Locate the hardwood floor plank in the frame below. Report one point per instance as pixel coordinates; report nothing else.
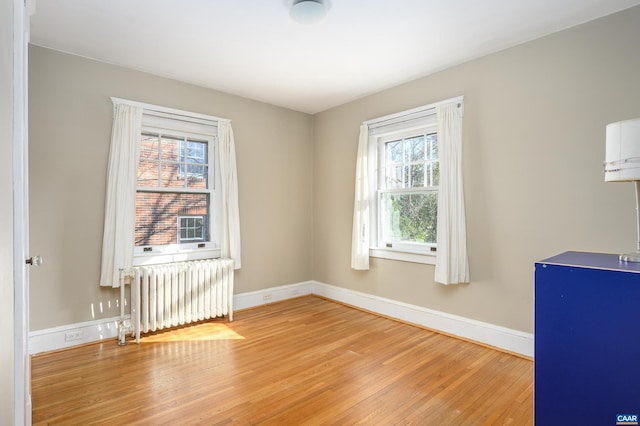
(301, 361)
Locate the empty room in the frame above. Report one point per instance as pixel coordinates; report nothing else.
(320, 212)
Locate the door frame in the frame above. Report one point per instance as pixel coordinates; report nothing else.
(22, 367)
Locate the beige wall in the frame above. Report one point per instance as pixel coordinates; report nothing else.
(70, 126)
(534, 145)
(6, 215)
(534, 126)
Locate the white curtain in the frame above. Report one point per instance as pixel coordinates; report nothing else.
(119, 220)
(452, 264)
(360, 234)
(230, 241)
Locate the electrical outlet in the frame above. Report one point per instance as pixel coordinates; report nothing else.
(72, 335)
(266, 297)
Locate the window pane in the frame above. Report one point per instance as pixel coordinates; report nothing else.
(394, 152)
(148, 163)
(196, 152)
(171, 149)
(414, 149)
(394, 177)
(148, 173)
(171, 176)
(157, 216)
(432, 141)
(409, 217)
(406, 181)
(434, 173)
(197, 176)
(149, 147)
(417, 175)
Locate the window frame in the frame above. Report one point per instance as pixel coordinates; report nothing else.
(403, 251)
(197, 130)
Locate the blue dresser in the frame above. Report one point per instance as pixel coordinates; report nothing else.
(587, 340)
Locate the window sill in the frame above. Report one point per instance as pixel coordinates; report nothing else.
(150, 258)
(404, 256)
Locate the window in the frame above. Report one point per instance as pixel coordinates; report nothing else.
(164, 165)
(192, 228)
(408, 190)
(176, 207)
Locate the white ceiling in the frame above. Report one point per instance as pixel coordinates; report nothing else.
(251, 48)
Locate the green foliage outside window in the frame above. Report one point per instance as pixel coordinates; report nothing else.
(412, 217)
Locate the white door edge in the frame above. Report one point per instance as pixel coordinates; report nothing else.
(22, 368)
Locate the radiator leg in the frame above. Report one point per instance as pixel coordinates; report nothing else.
(135, 309)
(122, 338)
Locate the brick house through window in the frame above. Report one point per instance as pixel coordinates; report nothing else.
(173, 198)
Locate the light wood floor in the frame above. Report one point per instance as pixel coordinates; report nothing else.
(302, 361)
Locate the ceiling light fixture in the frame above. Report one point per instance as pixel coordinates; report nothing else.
(308, 11)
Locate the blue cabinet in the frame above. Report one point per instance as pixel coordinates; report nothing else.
(587, 340)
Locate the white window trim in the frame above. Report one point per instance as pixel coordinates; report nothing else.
(396, 124)
(173, 113)
(173, 254)
(196, 126)
(405, 256)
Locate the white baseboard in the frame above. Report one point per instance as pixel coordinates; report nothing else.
(482, 332)
(65, 336)
(270, 295)
(478, 331)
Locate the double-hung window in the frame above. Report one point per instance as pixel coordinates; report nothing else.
(177, 196)
(408, 190)
(172, 189)
(409, 196)
(405, 194)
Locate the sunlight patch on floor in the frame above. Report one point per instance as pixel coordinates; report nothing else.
(204, 331)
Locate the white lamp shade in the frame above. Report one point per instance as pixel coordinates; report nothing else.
(622, 157)
(308, 11)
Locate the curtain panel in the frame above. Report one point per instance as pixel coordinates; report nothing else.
(360, 234)
(120, 202)
(230, 241)
(452, 263)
